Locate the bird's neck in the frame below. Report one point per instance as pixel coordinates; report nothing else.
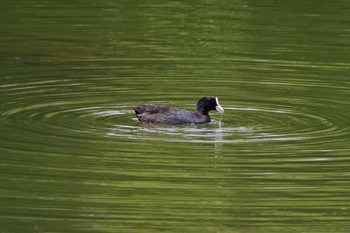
(200, 110)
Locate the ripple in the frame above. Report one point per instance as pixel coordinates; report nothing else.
(225, 131)
(293, 123)
(239, 124)
(191, 133)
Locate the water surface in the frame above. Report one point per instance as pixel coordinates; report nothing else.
(74, 158)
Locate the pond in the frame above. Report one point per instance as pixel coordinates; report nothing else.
(74, 158)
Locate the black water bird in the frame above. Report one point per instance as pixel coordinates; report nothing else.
(166, 115)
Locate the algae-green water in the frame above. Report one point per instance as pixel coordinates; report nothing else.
(73, 157)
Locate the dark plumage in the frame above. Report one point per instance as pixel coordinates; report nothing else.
(167, 115)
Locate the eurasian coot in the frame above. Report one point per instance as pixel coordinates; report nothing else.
(167, 115)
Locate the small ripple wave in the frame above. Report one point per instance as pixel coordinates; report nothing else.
(72, 120)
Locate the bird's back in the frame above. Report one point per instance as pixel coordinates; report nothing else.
(162, 114)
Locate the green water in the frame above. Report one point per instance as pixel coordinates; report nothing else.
(73, 158)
